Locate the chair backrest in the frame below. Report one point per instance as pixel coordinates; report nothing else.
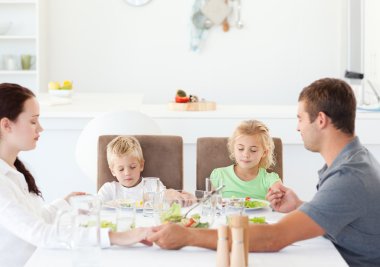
(163, 157)
(212, 153)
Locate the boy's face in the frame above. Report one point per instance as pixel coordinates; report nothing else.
(127, 170)
(248, 151)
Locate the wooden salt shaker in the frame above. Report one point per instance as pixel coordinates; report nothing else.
(241, 221)
(223, 252)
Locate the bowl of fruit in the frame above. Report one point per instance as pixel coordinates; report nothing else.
(61, 90)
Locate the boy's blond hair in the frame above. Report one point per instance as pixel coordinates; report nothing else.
(254, 127)
(124, 146)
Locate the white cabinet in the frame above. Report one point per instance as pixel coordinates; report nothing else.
(19, 43)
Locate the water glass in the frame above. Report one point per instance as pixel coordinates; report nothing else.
(85, 238)
(126, 219)
(170, 210)
(151, 193)
(234, 206)
(208, 207)
(108, 217)
(218, 196)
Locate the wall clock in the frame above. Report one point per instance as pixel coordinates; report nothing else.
(137, 2)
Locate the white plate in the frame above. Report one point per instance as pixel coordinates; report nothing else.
(264, 202)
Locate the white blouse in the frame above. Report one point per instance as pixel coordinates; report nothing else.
(25, 222)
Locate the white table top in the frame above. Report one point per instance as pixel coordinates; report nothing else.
(314, 252)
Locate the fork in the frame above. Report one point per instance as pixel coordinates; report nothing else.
(213, 192)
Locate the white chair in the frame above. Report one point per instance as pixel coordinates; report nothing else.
(126, 122)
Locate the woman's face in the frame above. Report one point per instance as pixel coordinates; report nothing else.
(23, 133)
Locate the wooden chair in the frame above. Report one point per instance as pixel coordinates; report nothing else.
(163, 157)
(212, 153)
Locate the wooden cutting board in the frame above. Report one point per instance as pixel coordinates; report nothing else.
(197, 106)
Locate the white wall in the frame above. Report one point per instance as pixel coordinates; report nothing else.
(111, 46)
(372, 43)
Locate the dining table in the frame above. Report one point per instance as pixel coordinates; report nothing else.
(318, 251)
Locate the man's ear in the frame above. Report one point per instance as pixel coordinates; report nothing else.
(323, 120)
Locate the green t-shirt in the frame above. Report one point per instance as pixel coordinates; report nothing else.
(235, 187)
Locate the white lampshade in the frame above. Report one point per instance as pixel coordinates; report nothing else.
(126, 122)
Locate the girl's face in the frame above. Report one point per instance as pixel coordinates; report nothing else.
(127, 170)
(248, 151)
(23, 133)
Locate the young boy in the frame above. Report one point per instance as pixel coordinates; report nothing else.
(126, 162)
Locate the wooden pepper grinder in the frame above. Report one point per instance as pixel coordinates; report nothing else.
(237, 249)
(242, 222)
(223, 252)
(226, 26)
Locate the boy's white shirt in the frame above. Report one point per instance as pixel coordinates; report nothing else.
(25, 221)
(114, 190)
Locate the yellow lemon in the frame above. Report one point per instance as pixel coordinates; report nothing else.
(67, 85)
(54, 85)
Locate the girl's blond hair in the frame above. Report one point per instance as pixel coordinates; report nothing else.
(254, 127)
(124, 146)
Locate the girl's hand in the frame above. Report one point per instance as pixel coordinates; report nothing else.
(74, 194)
(283, 199)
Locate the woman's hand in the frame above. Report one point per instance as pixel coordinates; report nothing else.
(74, 194)
(283, 199)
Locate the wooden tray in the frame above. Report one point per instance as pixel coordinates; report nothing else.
(197, 106)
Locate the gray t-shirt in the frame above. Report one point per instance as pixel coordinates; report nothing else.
(347, 205)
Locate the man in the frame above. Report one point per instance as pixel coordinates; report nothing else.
(346, 207)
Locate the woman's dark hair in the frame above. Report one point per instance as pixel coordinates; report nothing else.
(12, 99)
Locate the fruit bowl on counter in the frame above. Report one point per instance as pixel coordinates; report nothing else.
(64, 90)
(61, 92)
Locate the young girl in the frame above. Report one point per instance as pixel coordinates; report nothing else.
(126, 162)
(251, 149)
(25, 222)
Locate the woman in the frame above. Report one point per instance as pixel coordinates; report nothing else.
(25, 222)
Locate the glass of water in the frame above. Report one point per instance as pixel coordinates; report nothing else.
(127, 218)
(151, 192)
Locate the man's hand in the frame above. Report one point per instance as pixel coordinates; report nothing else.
(169, 236)
(283, 199)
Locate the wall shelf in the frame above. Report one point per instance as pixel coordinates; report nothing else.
(18, 37)
(18, 72)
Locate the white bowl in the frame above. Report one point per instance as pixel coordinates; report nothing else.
(4, 27)
(61, 92)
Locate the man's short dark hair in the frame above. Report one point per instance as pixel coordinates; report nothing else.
(333, 97)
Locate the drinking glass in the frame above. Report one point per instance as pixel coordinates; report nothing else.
(218, 196)
(108, 217)
(234, 206)
(151, 191)
(170, 210)
(208, 207)
(127, 218)
(85, 239)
